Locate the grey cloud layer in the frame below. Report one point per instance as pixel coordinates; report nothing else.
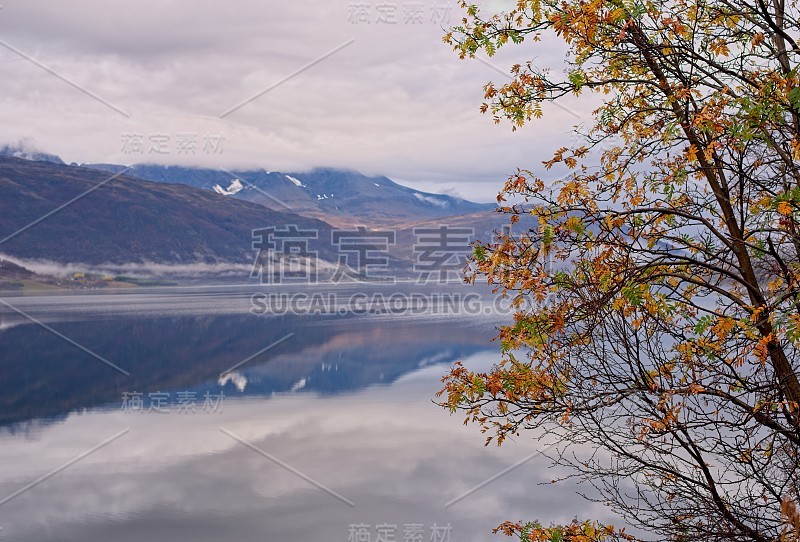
(395, 102)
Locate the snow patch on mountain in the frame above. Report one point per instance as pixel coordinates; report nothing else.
(234, 188)
(295, 181)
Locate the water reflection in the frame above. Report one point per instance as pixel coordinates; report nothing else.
(345, 403)
(42, 376)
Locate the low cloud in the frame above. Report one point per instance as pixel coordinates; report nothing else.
(143, 270)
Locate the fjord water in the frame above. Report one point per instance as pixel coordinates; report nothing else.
(328, 435)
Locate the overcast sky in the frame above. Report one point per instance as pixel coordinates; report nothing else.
(383, 97)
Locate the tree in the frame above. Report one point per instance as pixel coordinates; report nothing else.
(657, 296)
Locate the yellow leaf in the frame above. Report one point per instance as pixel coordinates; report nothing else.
(691, 154)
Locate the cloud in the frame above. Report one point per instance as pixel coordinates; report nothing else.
(431, 200)
(144, 269)
(398, 457)
(396, 101)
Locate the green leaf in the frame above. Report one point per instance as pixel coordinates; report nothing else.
(794, 98)
(634, 293)
(577, 79)
(548, 236)
(702, 324)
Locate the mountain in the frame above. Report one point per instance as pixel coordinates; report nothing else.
(125, 219)
(26, 151)
(188, 353)
(105, 217)
(340, 197)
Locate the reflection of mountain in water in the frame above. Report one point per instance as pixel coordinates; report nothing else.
(42, 375)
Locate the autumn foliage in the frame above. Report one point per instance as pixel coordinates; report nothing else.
(574, 532)
(658, 292)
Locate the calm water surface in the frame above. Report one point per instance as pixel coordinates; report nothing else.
(324, 437)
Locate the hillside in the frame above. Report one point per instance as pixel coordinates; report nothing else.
(339, 197)
(127, 219)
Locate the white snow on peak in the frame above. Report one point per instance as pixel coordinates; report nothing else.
(295, 181)
(235, 186)
(431, 200)
(376, 184)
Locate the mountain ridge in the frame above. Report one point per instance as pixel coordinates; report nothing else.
(120, 219)
(100, 220)
(338, 196)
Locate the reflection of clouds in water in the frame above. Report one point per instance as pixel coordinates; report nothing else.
(390, 450)
(436, 358)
